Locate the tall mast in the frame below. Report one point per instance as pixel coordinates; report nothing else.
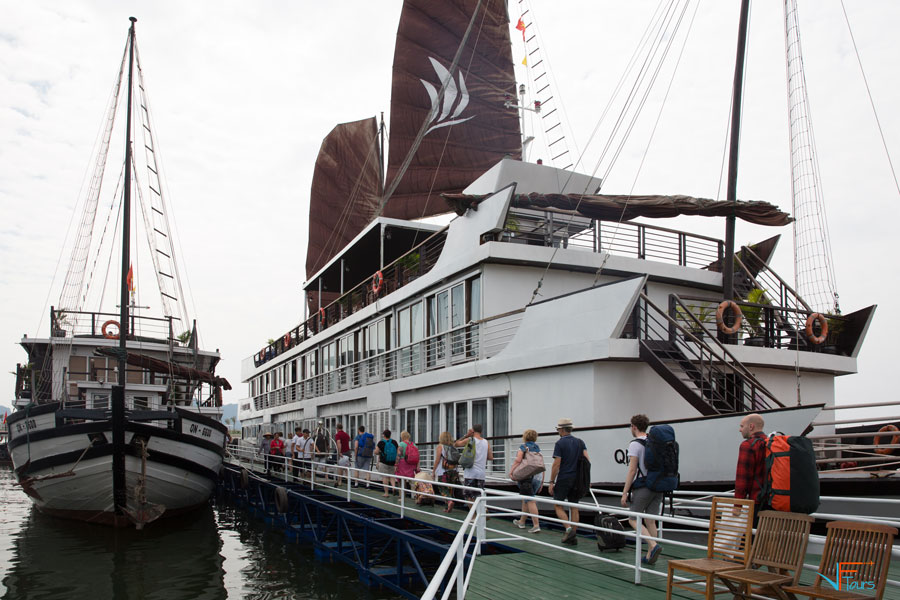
(731, 195)
(118, 397)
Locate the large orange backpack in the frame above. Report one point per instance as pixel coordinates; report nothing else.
(791, 479)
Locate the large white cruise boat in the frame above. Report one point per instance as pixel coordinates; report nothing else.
(541, 299)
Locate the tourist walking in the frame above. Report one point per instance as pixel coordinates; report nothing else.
(562, 487)
(642, 498)
(342, 441)
(751, 464)
(530, 486)
(446, 461)
(475, 454)
(407, 462)
(387, 461)
(276, 450)
(364, 445)
(265, 445)
(296, 451)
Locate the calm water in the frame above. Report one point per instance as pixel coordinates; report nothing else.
(212, 553)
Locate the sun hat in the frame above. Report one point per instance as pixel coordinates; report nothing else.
(564, 422)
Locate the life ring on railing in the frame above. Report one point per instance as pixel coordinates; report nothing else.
(720, 317)
(377, 282)
(810, 323)
(281, 500)
(322, 317)
(287, 341)
(895, 439)
(106, 332)
(245, 479)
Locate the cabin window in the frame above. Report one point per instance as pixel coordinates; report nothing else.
(438, 323)
(474, 299)
(410, 326)
(376, 346)
(346, 357)
(435, 422)
(457, 319)
(499, 427)
(100, 400)
(141, 402)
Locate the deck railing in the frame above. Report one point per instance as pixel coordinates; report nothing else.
(76, 323)
(406, 269)
(637, 240)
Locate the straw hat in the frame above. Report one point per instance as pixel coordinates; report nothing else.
(564, 423)
(267, 434)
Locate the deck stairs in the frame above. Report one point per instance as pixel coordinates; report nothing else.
(697, 365)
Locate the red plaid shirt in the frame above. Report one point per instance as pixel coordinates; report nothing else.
(750, 466)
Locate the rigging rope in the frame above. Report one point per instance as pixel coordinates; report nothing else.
(871, 101)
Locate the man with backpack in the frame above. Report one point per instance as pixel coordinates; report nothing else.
(644, 498)
(387, 461)
(564, 476)
(751, 465)
(364, 445)
(476, 451)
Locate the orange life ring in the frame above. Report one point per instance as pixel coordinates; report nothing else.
(322, 316)
(287, 341)
(720, 317)
(106, 332)
(894, 440)
(823, 323)
(377, 282)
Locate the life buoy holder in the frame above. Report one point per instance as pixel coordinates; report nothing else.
(377, 282)
(105, 330)
(811, 334)
(281, 500)
(287, 341)
(895, 439)
(720, 317)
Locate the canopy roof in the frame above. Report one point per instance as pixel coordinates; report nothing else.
(606, 207)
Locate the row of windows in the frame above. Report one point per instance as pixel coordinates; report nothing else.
(445, 310)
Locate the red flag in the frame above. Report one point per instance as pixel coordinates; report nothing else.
(521, 27)
(4, 417)
(129, 280)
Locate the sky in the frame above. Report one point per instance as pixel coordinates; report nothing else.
(243, 93)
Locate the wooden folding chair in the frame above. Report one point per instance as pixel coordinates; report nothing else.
(776, 557)
(730, 529)
(855, 560)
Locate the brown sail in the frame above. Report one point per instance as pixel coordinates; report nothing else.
(345, 192)
(471, 129)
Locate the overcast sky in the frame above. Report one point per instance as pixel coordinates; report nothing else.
(242, 94)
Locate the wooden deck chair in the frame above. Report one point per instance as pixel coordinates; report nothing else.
(730, 529)
(776, 557)
(856, 559)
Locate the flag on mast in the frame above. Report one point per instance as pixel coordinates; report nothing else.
(521, 27)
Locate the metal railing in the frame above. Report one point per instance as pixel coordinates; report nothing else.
(76, 323)
(455, 346)
(649, 242)
(708, 367)
(406, 269)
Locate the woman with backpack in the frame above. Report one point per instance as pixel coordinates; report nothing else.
(531, 485)
(387, 461)
(446, 461)
(407, 461)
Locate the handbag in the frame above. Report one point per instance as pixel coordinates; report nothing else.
(532, 463)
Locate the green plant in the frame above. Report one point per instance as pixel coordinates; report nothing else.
(410, 262)
(271, 341)
(512, 224)
(753, 314)
(702, 313)
(184, 337)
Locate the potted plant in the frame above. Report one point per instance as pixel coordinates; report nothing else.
(753, 317)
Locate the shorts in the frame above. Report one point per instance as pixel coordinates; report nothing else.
(364, 463)
(385, 469)
(565, 490)
(529, 487)
(645, 500)
(473, 483)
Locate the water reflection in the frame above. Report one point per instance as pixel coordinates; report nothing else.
(209, 554)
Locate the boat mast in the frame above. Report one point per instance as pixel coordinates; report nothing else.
(731, 195)
(118, 396)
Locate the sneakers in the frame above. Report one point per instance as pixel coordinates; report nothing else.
(569, 537)
(535, 529)
(520, 524)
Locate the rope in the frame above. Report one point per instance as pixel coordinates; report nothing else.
(871, 101)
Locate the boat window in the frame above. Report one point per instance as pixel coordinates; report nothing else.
(474, 299)
(457, 316)
(499, 427)
(435, 422)
(141, 402)
(100, 400)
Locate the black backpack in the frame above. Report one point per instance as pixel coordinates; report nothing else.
(606, 540)
(582, 474)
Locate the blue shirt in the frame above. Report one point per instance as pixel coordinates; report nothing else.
(531, 446)
(568, 449)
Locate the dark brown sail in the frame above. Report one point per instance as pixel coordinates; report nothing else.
(345, 192)
(471, 129)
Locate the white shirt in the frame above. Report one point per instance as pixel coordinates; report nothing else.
(478, 470)
(295, 444)
(635, 448)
